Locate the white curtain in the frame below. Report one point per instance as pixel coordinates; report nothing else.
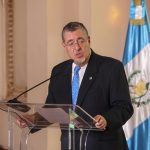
(3, 83)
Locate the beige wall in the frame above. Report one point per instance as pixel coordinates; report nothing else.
(37, 42)
(108, 27)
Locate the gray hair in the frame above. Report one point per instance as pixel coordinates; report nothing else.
(73, 26)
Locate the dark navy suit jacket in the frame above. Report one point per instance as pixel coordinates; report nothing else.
(104, 90)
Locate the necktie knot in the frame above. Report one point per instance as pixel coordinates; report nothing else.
(76, 69)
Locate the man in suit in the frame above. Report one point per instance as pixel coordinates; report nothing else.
(103, 91)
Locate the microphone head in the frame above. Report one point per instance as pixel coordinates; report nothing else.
(14, 103)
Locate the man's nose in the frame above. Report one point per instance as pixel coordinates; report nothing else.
(77, 46)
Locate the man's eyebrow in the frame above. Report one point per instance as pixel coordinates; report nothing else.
(80, 38)
(74, 39)
(70, 40)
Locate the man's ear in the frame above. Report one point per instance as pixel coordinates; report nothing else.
(89, 39)
(63, 44)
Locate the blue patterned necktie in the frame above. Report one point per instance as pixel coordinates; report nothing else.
(75, 85)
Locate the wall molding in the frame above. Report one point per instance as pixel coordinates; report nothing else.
(10, 47)
(12, 89)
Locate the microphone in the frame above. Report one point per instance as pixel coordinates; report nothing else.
(22, 107)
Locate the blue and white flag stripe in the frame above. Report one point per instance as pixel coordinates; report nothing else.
(134, 40)
(137, 66)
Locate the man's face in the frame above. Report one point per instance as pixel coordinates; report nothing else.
(77, 45)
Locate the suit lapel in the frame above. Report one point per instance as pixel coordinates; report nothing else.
(88, 79)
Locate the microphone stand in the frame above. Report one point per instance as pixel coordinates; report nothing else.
(29, 89)
(22, 107)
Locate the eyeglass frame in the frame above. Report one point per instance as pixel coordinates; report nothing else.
(71, 43)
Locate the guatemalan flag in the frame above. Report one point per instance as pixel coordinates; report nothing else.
(136, 61)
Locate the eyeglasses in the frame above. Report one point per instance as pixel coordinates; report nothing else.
(72, 43)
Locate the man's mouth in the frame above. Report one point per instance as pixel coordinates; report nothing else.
(79, 55)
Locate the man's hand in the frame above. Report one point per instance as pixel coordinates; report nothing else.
(32, 119)
(100, 122)
(22, 123)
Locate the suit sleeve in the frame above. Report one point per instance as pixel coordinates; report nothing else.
(120, 102)
(50, 97)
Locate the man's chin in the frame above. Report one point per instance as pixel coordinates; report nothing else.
(80, 61)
